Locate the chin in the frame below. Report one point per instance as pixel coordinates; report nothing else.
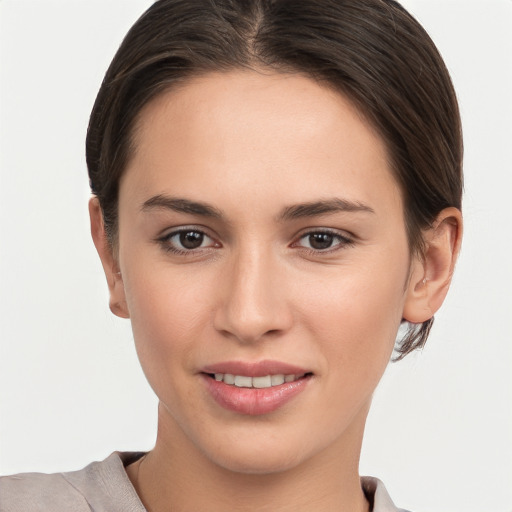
(258, 463)
(258, 453)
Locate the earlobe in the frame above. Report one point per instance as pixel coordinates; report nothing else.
(117, 302)
(431, 275)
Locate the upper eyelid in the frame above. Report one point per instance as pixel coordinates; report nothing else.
(331, 231)
(169, 232)
(166, 243)
(165, 237)
(341, 234)
(344, 240)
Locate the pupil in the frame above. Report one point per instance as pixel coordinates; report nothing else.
(191, 239)
(320, 240)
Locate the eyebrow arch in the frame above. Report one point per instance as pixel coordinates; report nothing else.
(325, 206)
(163, 202)
(296, 211)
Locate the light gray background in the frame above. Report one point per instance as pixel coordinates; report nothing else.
(440, 432)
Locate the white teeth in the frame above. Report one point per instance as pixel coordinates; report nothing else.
(262, 382)
(229, 379)
(267, 381)
(277, 380)
(241, 381)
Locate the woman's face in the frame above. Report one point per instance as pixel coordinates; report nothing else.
(262, 239)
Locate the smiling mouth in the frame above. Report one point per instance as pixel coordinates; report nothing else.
(255, 388)
(266, 381)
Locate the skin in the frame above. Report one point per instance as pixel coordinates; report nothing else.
(252, 144)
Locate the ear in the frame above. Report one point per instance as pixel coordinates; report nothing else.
(109, 261)
(431, 275)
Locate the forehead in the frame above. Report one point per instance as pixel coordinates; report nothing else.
(249, 130)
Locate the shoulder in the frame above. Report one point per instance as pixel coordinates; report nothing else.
(100, 486)
(378, 496)
(39, 492)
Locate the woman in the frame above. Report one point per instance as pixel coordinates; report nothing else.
(276, 190)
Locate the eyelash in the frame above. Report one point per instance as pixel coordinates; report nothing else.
(166, 244)
(343, 241)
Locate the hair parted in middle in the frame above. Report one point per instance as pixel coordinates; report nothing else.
(372, 51)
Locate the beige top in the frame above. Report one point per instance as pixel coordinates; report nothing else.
(105, 487)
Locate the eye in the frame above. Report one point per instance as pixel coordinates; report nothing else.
(186, 240)
(319, 241)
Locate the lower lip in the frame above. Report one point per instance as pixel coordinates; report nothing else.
(254, 401)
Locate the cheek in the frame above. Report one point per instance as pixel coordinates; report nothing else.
(167, 311)
(355, 316)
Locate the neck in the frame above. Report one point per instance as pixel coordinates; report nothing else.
(175, 476)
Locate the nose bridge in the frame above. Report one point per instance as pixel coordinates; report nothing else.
(252, 304)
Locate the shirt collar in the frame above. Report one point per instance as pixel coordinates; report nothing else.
(378, 496)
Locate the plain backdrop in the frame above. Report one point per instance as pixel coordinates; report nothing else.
(71, 391)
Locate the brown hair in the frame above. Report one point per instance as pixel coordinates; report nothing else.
(372, 51)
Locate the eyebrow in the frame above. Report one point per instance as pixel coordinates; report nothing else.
(162, 202)
(322, 207)
(296, 211)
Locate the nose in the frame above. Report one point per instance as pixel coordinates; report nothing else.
(252, 301)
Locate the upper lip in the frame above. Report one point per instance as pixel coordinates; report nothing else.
(254, 369)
